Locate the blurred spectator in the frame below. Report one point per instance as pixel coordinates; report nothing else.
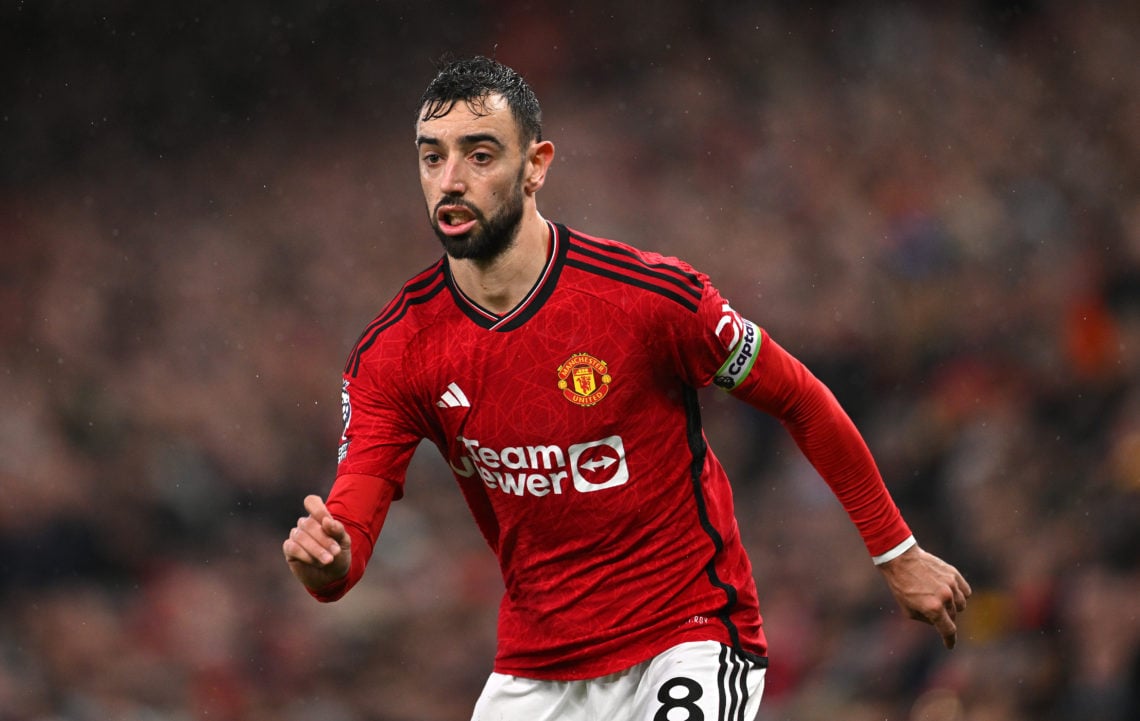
(199, 209)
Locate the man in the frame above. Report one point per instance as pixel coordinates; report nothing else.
(557, 373)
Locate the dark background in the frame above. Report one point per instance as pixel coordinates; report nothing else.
(934, 205)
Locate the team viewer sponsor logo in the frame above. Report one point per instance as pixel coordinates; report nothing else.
(545, 469)
(592, 465)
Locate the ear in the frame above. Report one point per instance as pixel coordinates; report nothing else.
(539, 158)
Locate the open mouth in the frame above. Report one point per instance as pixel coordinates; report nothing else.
(455, 219)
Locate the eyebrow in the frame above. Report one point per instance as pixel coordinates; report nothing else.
(472, 139)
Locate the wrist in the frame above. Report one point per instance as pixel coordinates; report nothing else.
(895, 552)
(328, 590)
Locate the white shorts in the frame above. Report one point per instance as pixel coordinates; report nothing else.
(697, 681)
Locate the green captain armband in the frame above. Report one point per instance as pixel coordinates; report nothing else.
(741, 358)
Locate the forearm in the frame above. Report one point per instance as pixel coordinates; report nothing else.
(829, 440)
(361, 503)
(783, 387)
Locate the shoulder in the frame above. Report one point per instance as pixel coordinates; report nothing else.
(401, 319)
(631, 268)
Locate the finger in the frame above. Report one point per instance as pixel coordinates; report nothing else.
(946, 627)
(330, 532)
(316, 507)
(959, 600)
(319, 549)
(963, 585)
(312, 527)
(295, 553)
(336, 530)
(329, 535)
(961, 590)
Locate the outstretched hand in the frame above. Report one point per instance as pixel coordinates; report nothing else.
(318, 548)
(929, 590)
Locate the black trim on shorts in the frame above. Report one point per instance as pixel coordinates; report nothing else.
(732, 683)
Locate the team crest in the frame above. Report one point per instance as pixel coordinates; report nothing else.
(583, 379)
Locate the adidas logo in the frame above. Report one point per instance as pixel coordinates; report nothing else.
(453, 397)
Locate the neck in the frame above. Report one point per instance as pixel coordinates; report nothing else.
(500, 284)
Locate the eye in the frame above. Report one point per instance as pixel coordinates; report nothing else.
(431, 158)
(481, 156)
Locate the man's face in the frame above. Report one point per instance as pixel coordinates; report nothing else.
(471, 171)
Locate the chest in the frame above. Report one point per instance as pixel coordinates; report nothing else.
(574, 366)
(572, 392)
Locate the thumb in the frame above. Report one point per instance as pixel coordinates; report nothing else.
(321, 514)
(336, 530)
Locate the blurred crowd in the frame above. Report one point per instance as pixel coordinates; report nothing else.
(935, 206)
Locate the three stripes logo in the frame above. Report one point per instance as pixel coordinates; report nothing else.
(453, 397)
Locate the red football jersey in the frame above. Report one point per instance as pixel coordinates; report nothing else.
(573, 429)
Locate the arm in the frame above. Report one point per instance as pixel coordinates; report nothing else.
(925, 586)
(783, 387)
(328, 549)
(320, 548)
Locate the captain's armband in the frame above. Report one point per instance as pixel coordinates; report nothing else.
(741, 358)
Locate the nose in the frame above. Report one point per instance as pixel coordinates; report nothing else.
(453, 181)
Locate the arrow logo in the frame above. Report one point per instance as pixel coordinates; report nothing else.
(598, 463)
(588, 475)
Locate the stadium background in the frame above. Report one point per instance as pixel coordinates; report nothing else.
(934, 204)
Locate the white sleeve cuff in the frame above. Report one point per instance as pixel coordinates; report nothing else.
(894, 552)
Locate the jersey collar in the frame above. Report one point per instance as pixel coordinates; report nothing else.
(534, 299)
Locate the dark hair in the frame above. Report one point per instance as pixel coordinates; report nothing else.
(472, 81)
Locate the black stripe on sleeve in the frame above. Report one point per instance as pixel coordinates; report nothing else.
(415, 292)
(625, 264)
(675, 273)
(631, 280)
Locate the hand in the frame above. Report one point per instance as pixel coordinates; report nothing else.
(929, 590)
(318, 548)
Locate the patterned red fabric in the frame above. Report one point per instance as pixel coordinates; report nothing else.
(573, 430)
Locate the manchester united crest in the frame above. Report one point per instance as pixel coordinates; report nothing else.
(583, 379)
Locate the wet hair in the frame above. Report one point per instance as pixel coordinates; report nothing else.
(472, 81)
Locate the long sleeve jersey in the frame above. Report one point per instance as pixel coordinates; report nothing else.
(573, 430)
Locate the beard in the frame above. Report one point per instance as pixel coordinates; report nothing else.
(490, 237)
